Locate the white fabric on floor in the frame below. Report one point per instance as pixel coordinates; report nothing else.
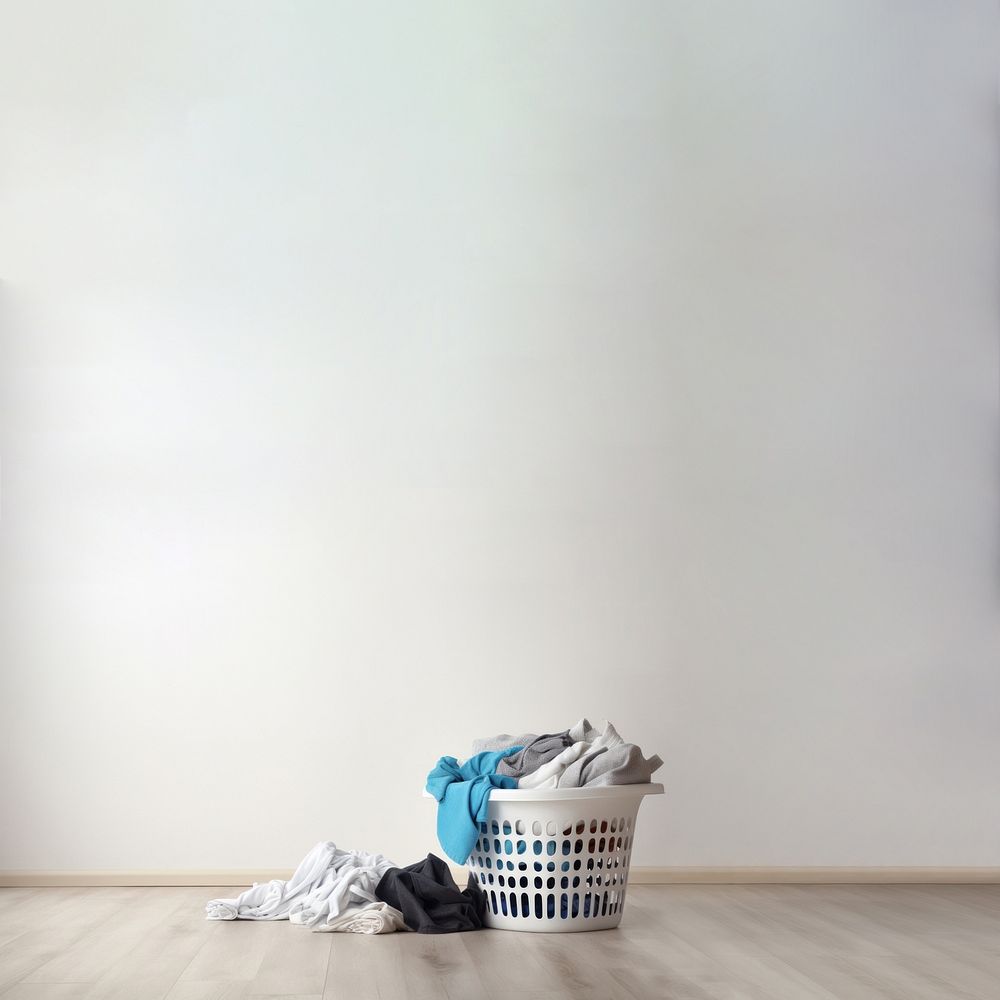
(326, 884)
(372, 918)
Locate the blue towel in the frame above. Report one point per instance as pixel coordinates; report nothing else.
(463, 794)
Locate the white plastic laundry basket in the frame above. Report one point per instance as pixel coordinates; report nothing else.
(557, 859)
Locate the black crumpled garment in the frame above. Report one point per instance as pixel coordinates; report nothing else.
(430, 901)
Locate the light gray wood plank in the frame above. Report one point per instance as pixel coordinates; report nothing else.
(510, 963)
(349, 973)
(69, 914)
(442, 960)
(47, 991)
(136, 915)
(150, 968)
(294, 964)
(198, 989)
(234, 951)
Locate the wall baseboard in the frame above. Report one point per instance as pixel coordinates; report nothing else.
(815, 876)
(638, 876)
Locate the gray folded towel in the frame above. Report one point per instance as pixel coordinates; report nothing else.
(621, 765)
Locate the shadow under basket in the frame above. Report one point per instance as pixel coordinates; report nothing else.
(552, 860)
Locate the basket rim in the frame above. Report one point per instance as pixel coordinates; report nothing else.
(562, 794)
(594, 793)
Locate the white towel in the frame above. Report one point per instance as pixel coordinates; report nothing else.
(372, 918)
(326, 883)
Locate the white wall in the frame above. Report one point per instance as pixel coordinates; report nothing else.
(374, 378)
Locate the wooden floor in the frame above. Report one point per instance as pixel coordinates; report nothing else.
(684, 942)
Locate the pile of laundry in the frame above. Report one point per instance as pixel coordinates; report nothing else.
(577, 757)
(360, 893)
